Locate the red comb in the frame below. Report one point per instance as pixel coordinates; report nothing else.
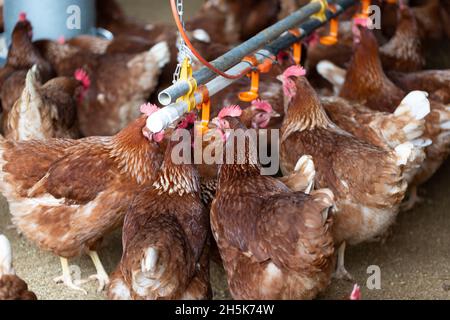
(230, 111)
(360, 22)
(22, 16)
(148, 108)
(189, 119)
(83, 77)
(262, 105)
(313, 39)
(294, 71)
(356, 293)
(61, 40)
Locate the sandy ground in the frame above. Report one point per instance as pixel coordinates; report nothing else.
(414, 261)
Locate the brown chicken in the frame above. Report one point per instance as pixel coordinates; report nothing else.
(233, 21)
(22, 55)
(367, 83)
(47, 111)
(11, 286)
(274, 243)
(110, 103)
(403, 52)
(436, 82)
(367, 204)
(65, 195)
(89, 43)
(165, 236)
(433, 20)
(386, 130)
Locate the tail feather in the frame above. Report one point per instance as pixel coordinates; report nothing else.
(25, 121)
(404, 152)
(302, 179)
(167, 264)
(332, 73)
(415, 104)
(407, 123)
(160, 53)
(6, 267)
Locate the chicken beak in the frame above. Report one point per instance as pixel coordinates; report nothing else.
(275, 114)
(280, 78)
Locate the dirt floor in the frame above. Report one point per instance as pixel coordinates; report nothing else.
(414, 261)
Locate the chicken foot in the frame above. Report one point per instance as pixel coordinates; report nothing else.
(341, 272)
(101, 276)
(413, 199)
(66, 277)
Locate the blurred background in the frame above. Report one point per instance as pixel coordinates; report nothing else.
(146, 10)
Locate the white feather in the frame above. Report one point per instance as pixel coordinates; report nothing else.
(161, 53)
(5, 256)
(403, 152)
(150, 260)
(332, 73)
(201, 35)
(416, 104)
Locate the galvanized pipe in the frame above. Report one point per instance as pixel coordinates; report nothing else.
(235, 55)
(167, 115)
(162, 118)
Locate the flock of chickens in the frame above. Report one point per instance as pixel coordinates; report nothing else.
(78, 161)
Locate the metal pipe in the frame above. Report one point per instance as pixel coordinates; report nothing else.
(167, 115)
(235, 55)
(162, 118)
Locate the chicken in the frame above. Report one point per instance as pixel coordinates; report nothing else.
(165, 234)
(46, 111)
(274, 243)
(436, 82)
(65, 195)
(367, 83)
(339, 54)
(386, 130)
(365, 79)
(114, 100)
(89, 43)
(22, 55)
(264, 112)
(11, 286)
(222, 19)
(432, 20)
(403, 52)
(367, 204)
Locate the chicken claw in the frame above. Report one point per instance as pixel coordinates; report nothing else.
(66, 277)
(101, 276)
(413, 199)
(341, 272)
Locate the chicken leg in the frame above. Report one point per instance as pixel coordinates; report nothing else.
(413, 199)
(341, 272)
(66, 277)
(101, 276)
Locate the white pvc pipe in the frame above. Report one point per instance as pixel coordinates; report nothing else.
(164, 117)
